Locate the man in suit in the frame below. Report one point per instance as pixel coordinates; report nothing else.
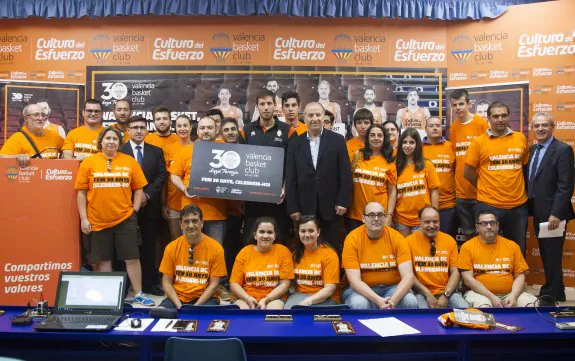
(318, 175)
(550, 178)
(151, 159)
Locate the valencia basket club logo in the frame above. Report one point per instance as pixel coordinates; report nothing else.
(221, 47)
(462, 48)
(343, 48)
(11, 173)
(102, 47)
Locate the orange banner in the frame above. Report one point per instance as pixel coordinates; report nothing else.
(40, 228)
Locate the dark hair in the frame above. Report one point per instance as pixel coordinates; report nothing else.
(412, 89)
(299, 248)
(386, 149)
(229, 120)
(401, 160)
(160, 109)
(93, 101)
(362, 114)
(391, 122)
(124, 100)
(137, 118)
(330, 115)
(261, 220)
(458, 93)
(497, 105)
(215, 111)
(482, 213)
(426, 207)
(289, 95)
(185, 117)
(264, 94)
(192, 209)
(103, 134)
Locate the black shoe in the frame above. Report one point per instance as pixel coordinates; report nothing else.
(153, 290)
(545, 302)
(561, 298)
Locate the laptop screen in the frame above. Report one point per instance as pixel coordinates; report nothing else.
(90, 291)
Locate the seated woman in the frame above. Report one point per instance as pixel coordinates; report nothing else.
(262, 271)
(316, 268)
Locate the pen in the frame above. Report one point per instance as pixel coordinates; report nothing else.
(169, 324)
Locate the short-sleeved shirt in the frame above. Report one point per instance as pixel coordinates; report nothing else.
(259, 273)
(413, 192)
(443, 157)
(161, 142)
(432, 271)
(83, 142)
(461, 136)
(191, 280)
(353, 145)
(316, 269)
(213, 209)
(499, 165)
(173, 195)
(494, 265)
(18, 144)
(370, 179)
(109, 192)
(377, 259)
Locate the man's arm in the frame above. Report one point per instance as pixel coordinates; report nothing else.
(407, 280)
(516, 290)
(421, 289)
(565, 183)
(155, 186)
(451, 286)
(209, 292)
(362, 288)
(434, 195)
(478, 287)
(167, 285)
(470, 175)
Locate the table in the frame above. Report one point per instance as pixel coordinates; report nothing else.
(304, 339)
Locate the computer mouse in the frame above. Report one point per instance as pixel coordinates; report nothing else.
(136, 322)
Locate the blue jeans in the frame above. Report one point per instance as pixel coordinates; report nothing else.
(512, 222)
(455, 301)
(358, 302)
(216, 230)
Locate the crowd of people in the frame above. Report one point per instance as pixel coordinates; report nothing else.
(369, 221)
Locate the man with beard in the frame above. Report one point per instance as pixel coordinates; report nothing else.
(379, 113)
(163, 135)
(122, 114)
(272, 86)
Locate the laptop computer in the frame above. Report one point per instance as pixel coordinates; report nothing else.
(86, 301)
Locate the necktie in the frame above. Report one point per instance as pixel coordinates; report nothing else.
(139, 155)
(534, 164)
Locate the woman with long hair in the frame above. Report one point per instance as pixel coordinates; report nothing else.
(392, 130)
(316, 267)
(417, 182)
(374, 177)
(262, 270)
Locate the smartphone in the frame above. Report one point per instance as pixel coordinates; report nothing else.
(565, 325)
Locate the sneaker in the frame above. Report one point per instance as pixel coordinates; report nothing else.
(144, 300)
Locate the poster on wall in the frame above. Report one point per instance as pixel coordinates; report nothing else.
(62, 102)
(195, 90)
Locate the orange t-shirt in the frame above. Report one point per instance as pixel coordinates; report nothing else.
(161, 142)
(18, 144)
(83, 142)
(494, 265)
(413, 192)
(109, 192)
(316, 269)
(125, 134)
(191, 280)
(378, 260)
(173, 195)
(301, 128)
(370, 183)
(432, 272)
(259, 273)
(353, 145)
(443, 157)
(213, 209)
(461, 136)
(499, 165)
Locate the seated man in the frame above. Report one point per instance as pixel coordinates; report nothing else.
(377, 262)
(192, 264)
(493, 267)
(434, 257)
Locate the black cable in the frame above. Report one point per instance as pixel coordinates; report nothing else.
(551, 299)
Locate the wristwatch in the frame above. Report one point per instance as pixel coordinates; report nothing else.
(447, 293)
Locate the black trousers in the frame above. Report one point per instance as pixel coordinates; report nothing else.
(148, 229)
(551, 251)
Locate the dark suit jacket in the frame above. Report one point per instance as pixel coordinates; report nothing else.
(554, 181)
(154, 168)
(327, 186)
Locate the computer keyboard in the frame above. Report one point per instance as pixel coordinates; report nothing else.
(87, 319)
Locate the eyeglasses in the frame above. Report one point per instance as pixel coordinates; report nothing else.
(191, 256)
(139, 128)
(37, 115)
(95, 111)
(432, 249)
(486, 223)
(109, 165)
(373, 216)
